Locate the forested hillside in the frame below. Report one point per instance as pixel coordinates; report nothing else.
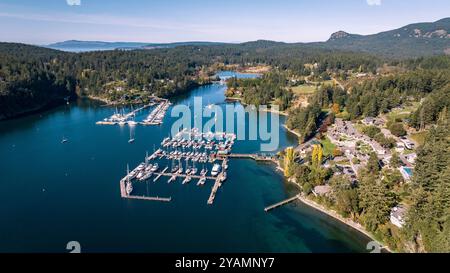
(415, 40)
(32, 78)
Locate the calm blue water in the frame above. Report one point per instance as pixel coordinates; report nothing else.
(53, 193)
(229, 74)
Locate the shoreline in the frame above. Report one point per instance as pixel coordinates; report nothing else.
(269, 110)
(347, 221)
(292, 131)
(329, 212)
(333, 214)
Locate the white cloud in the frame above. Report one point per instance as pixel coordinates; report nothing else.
(374, 2)
(73, 2)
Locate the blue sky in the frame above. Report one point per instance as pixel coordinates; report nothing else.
(47, 21)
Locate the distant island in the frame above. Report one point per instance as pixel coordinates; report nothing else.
(83, 46)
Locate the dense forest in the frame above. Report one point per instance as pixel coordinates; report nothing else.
(32, 77)
(267, 90)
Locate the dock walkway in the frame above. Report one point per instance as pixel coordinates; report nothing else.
(281, 203)
(256, 157)
(123, 194)
(216, 187)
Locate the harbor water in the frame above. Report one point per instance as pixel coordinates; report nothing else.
(52, 192)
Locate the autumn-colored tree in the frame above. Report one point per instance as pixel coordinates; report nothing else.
(317, 154)
(289, 162)
(336, 108)
(337, 152)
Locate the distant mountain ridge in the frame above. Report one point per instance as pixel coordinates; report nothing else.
(411, 41)
(414, 40)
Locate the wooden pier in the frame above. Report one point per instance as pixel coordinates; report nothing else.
(255, 157)
(123, 191)
(123, 194)
(216, 186)
(150, 198)
(154, 119)
(284, 202)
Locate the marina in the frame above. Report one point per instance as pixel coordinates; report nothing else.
(187, 145)
(155, 117)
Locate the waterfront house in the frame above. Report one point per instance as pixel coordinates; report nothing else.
(397, 216)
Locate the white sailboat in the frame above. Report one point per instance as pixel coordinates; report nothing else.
(129, 185)
(131, 140)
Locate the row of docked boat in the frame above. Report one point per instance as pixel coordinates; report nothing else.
(157, 115)
(222, 146)
(194, 156)
(195, 133)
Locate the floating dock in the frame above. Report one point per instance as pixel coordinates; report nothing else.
(123, 194)
(157, 115)
(255, 157)
(149, 198)
(216, 187)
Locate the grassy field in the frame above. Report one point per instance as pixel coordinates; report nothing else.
(304, 89)
(402, 113)
(328, 147)
(419, 137)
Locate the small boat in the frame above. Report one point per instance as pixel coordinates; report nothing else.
(155, 167)
(64, 140)
(172, 178)
(146, 176)
(129, 187)
(187, 179)
(140, 175)
(131, 140)
(201, 181)
(132, 123)
(215, 170)
(194, 171)
(223, 177)
(167, 139)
